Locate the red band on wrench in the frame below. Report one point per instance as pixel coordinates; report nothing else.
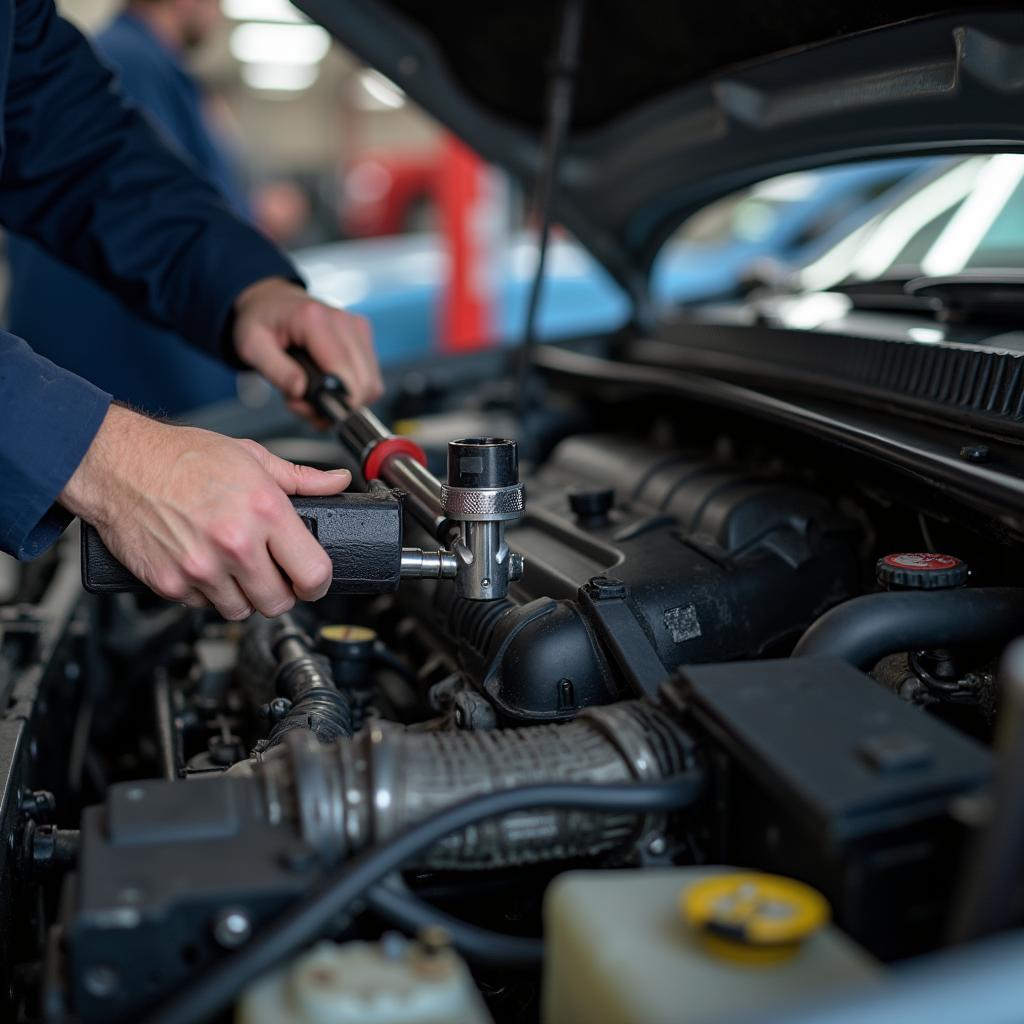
(383, 450)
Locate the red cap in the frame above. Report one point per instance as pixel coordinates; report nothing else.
(921, 570)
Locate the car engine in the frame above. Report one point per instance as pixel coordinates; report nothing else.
(697, 656)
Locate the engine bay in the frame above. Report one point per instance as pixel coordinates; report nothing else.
(699, 669)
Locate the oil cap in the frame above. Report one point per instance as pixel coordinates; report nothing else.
(753, 918)
(921, 570)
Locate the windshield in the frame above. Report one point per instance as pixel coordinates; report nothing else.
(966, 215)
(783, 220)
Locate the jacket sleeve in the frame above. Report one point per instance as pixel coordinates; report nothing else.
(87, 177)
(48, 418)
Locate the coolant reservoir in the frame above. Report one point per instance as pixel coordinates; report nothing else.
(389, 982)
(689, 946)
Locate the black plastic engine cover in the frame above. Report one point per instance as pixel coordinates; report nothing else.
(697, 561)
(820, 773)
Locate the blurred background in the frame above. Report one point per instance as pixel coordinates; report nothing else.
(299, 111)
(388, 215)
(384, 212)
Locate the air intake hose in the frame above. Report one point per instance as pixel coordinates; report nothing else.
(350, 795)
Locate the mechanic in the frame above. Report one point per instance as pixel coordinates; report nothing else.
(198, 517)
(136, 362)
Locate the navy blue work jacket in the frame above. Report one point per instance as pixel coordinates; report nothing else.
(143, 365)
(87, 177)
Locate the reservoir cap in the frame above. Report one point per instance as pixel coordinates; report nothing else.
(753, 918)
(921, 570)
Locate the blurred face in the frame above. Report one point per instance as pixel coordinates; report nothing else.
(197, 19)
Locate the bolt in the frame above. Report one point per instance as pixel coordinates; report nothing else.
(101, 981)
(975, 452)
(232, 927)
(657, 846)
(276, 709)
(485, 582)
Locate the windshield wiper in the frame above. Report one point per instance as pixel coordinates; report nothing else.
(885, 293)
(989, 296)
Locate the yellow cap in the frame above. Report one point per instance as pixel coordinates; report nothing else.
(344, 633)
(753, 918)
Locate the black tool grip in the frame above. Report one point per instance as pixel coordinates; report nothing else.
(362, 533)
(318, 383)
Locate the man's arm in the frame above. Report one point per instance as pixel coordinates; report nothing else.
(200, 518)
(88, 177)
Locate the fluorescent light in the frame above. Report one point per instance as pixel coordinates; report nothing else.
(969, 225)
(255, 43)
(378, 92)
(261, 10)
(280, 77)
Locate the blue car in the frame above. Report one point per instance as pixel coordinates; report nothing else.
(397, 282)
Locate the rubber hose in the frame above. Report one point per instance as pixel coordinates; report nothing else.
(396, 903)
(866, 629)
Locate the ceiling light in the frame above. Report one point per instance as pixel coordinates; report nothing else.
(255, 43)
(261, 10)
(280, 77)
(378, 92)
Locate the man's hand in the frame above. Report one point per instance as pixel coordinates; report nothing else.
(273, 314)
(202, 518)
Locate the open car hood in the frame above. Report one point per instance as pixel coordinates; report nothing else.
(678, 103)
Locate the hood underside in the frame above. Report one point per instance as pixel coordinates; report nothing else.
(677, 104)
